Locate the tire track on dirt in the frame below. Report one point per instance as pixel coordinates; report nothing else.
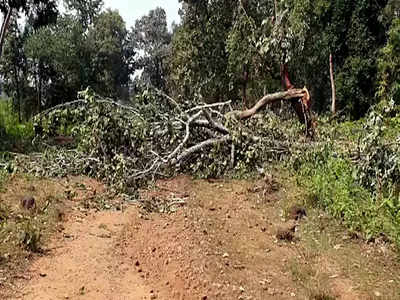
(83, 263)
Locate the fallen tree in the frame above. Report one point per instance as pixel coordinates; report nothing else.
(128, 145)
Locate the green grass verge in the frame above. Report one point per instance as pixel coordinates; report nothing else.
(332, 184)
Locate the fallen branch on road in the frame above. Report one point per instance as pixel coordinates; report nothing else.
(126, 145)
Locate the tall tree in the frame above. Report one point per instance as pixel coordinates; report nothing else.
(40, 12)
(199, 64)
(59, 60)
(354, 32)
(224, 46)
(251, 64)
(112, 54)
(152, 40)
(14, 68)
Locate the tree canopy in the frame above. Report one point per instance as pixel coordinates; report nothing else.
(221, 50)
(151, 40)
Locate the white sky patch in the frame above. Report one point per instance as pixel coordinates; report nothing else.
(131, 10)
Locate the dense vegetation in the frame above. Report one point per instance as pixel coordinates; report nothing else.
(178, 114)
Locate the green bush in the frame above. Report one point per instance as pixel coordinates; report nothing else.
(30, 236)
(11, 130)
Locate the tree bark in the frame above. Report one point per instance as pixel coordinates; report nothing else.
(4, 28)
(302, 105)
(18, 95)
(200, 146)
(245, 80)
(286, 83)
(332, 85)
(268, 99)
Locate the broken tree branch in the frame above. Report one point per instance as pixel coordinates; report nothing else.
(170, 99)
(268, 99)
(200, 146)
(186, 138)
(208, 106)
(219, 127)
(84, 102)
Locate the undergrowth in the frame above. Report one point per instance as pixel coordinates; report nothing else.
(355, 177)
(333, 185)
(14, 135)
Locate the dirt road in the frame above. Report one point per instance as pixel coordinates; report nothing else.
(220, 243)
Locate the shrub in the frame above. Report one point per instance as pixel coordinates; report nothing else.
(12, 131)
(30, 236)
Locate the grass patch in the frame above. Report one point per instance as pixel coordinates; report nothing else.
(321, 296)
(315, 283)
(24, 231)
(332, 184)
(329, 257)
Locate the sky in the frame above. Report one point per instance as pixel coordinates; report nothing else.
(130, 10)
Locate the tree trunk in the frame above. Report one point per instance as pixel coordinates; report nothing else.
(286, 84)
(332, 85)
(18, 94)
(245, 80)
(39, 87)
(271, 98)
(301, 105)
(4, 28)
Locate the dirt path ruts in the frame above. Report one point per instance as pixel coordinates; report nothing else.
(220, 245)
(83, 265)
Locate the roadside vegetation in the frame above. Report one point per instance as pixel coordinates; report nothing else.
(356, 178)
(25, 230)
(15, 135)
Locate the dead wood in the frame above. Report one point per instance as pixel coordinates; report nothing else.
(291, 94)
(302, 106)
